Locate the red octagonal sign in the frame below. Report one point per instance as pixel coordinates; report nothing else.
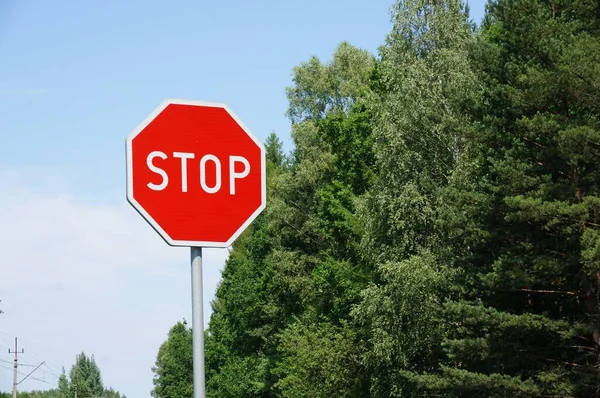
(196, 173)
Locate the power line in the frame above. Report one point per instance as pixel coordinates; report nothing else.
(39, 358)
(23, 379)
(53, 374)
(42, 362)
(6, 340)
(21, 364)
(49, 364)
(23, 374)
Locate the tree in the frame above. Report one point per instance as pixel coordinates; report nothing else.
(334, 87)
(63, 384)
(300, 257)
(66, 389)
(434, 231)
(85, 376)
(420, 129)
(173, 369)
(274, 149)
(318, 359)
(424, 84)
(522, 211)
(400, 324)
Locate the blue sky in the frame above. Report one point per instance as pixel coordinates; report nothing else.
(81, 271)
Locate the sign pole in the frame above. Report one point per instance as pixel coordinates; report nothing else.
(188, 164)
(198, 323)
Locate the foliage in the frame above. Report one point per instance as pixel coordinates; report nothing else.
(318, 359)
(434, 231)
(334, 87)
(174, 365)
(85, 377)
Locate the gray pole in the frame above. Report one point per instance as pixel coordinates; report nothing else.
(15, 370)
(198, 323)
(15, 367)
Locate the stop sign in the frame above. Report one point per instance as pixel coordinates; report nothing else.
(196, 173)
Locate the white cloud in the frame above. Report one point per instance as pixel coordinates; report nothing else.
(81, 274)
(57, 240)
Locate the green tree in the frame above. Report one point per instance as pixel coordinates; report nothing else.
(521, 214)
(420, 129)
(434, 231)
(63, 384)
(300, 257)
(274, 149)
(244, 319)
(318, 359)
(424, 84)
(173, 369)
(85, 376)
(400, 324)
(334, 87)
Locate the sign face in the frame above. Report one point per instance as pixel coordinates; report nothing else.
(196, 173)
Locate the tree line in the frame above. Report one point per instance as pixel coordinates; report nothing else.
(84, 381)
(434, 231)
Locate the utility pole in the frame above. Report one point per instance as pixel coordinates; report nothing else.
(16, 351)
(75, 388)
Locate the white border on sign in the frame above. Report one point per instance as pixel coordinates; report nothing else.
(148, 217)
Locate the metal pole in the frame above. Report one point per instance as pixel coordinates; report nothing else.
(15, 370)
(198, 323)
(15, 367)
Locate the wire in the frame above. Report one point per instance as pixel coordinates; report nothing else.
(23, 379)
(23, 374)
(38, 357)
(20, 364)
(53, 374)
(43, 381)
(9, 341)
(30, 351)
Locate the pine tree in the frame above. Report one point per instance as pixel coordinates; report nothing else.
(522, 211)
(85, 375)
